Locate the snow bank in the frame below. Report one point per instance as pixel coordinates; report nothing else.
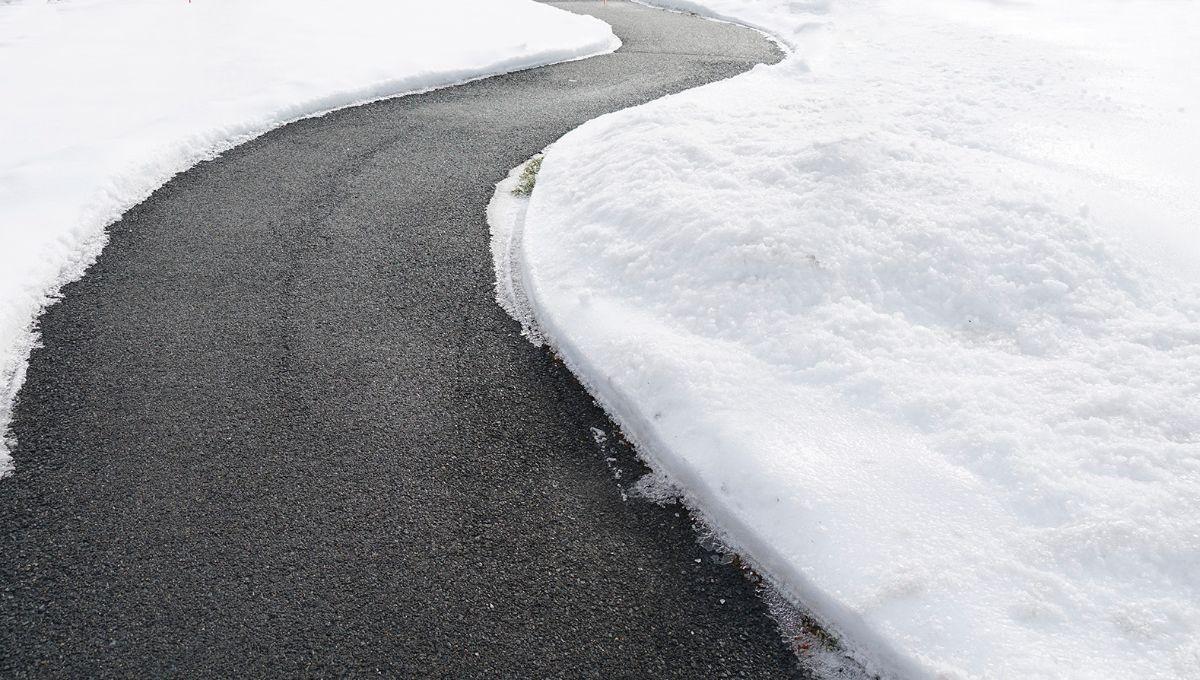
(104, 100)
(914, 317)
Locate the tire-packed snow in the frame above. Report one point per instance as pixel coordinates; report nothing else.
(914, 318)
(104, 100)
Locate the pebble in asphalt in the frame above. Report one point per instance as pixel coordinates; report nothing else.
(281, 428)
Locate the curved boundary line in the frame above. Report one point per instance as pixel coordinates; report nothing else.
(882, 661)
(88, 248)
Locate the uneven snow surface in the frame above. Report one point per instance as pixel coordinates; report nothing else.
(104, 100)
(914, 316)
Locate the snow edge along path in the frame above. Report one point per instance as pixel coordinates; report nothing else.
(836, 657)
(670, 477)
(1037, 610)
(87, 237)
(674, 479)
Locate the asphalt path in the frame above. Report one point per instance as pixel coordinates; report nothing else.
(281, 428)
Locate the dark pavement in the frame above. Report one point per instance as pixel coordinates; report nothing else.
(281, 428)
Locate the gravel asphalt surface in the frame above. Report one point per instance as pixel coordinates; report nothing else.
(281, 428)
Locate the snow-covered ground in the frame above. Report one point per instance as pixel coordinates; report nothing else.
(914, 318)
(104, 100)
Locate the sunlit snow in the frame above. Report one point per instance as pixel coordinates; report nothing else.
(914, 317)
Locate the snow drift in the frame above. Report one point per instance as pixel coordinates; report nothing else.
(104, 100)
(914, 317)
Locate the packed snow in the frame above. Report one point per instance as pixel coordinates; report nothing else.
(104, 100)
(914, 318)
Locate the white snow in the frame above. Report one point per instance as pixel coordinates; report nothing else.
(506, 221)
(104, 100)
(914, 318)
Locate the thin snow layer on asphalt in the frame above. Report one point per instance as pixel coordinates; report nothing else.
(105, 100)
(914, 318)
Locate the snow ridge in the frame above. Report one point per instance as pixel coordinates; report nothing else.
(506, 222)
(913, 317)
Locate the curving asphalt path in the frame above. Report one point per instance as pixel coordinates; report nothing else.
(280, 428)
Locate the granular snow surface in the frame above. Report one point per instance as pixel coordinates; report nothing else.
(105, 100)
(914, 318)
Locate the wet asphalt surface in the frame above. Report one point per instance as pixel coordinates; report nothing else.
(281, 428)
